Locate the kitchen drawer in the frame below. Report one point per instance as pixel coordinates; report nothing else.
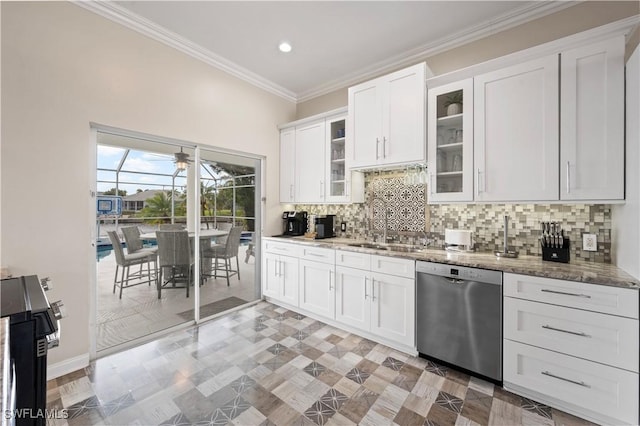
(592, 297)
(317, 254)
(277, 247)
(594, 336)
(352, 259)
(594, 387)
(393, 266)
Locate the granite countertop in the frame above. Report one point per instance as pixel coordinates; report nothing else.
(588, 272)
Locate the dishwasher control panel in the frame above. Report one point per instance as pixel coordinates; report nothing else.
(459, 272)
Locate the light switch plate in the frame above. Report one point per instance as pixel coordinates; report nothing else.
(589, 242)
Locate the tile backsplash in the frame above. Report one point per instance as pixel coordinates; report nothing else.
(408, 217)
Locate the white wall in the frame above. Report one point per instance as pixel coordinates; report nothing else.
(625, 235)
(64, 67)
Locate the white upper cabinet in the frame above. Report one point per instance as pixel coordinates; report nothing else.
(516, 126)
(450, 142)
(287, 165)
(386, 122)
(343, 185)
(309, 163)
(592, 122)
(314, 165)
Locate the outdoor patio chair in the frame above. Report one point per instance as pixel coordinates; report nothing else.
(222, 255)
(125, 261)
(223, 226)
(175, 257)
(134, 242)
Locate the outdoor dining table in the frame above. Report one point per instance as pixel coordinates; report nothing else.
(205, 234)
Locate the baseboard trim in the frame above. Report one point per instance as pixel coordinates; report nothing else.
(67, 366)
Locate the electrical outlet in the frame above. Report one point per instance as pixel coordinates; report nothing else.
(343, 226)
(589, 242)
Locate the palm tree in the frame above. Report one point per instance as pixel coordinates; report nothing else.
(159, 207)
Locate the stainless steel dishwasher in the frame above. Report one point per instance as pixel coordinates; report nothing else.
(459, 317)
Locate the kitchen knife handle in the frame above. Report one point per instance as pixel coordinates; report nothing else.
(568, 177)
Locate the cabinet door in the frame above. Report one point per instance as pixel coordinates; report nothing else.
(393, 308)
(310, 163)
(353, 297)
(450, 142)
(404, 116)
(516, 149)
(335, 160)
(287, 165)
(364, 127)
(271, 275)
(317, 292)
(288, 270)
(592, 122)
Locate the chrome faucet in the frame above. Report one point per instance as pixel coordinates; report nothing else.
(506, 252)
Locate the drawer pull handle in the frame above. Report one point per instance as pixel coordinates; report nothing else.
(576, 333)
(316, 254)
(566, 294)
(546, 373)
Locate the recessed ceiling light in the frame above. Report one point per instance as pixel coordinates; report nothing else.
(284, 47)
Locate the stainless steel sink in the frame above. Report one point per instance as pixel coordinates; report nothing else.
(404, 248)
(369, 246)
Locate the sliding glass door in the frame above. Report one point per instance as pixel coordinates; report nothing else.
(151, 185)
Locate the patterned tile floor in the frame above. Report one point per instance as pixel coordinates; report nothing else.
(266, 365)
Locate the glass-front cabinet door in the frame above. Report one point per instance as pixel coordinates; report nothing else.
(337, 172)
(450, 142)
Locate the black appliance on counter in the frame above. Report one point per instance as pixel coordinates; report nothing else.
(295, 223)
(33, 329)
(324, 226)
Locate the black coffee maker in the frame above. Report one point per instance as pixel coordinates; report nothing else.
(295, 223)
(325, 226)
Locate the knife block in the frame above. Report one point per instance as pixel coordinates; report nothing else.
(556, 254)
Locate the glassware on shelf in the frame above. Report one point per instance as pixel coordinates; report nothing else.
(456, 164)
(441, 162)
(459, 135)
(452, 136)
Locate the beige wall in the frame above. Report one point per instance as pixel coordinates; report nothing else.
(64, 67)
(569, 21)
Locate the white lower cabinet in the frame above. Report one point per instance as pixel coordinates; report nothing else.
(568, 346)
(587, 389)
(280, 272)
(353, 306)
(381, 304)
(317, 293)
(393, 308)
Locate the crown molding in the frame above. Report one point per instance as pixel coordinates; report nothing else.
(419, 54)
(125, 17)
